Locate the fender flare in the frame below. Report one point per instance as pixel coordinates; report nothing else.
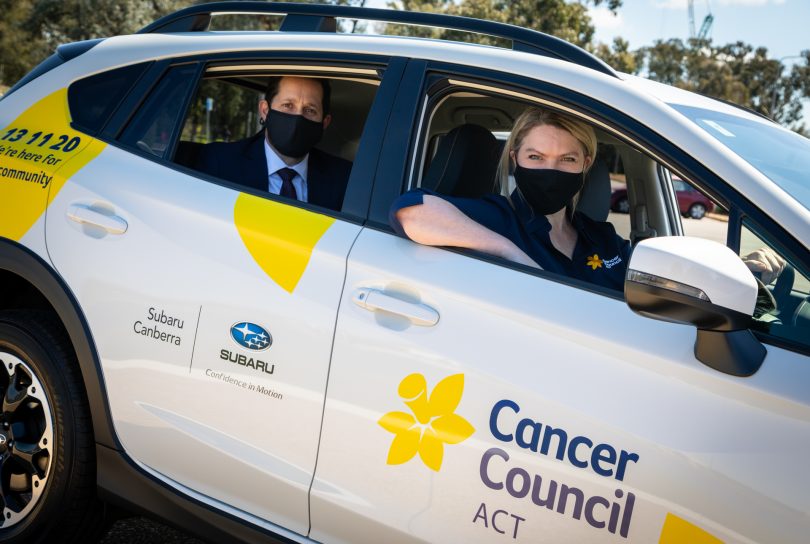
(23, 262)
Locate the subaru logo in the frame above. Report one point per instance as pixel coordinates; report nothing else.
(251, 336)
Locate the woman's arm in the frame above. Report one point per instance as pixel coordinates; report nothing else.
(437, 222)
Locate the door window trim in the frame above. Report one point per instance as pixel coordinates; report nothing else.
(612, 121)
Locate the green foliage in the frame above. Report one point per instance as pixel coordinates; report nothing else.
(31, 29)
(736, 72)
(618, 55)
(569, 21)
(19, 51)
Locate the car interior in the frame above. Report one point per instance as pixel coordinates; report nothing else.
(464, 141)
(225, 108)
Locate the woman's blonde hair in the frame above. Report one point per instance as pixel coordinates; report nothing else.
(537, 117)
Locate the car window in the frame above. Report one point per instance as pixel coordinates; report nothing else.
(224, 113)
(787, 314)
(779, 153)
(783, 304)
(93, 99)
(700, 215)
(153, 127)
(459, 154)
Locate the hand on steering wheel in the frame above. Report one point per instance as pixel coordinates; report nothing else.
(765, 264)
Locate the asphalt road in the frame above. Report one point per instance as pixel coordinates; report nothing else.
(139, 530)
(708, 227)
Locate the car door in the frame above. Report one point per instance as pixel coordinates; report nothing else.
(471, 401)
(212, 307)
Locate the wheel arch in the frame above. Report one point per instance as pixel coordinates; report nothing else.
(27, 281)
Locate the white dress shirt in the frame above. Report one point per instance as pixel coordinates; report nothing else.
(274, 164)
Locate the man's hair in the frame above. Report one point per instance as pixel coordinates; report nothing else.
(274, 82)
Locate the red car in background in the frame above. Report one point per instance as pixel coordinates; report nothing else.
(692, 203)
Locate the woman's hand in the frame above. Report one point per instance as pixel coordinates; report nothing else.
(767, 263)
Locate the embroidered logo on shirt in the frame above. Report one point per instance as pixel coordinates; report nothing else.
(610, 263)
(594, 262)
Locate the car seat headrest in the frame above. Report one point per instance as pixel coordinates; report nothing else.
(465, 163)
(594, 199)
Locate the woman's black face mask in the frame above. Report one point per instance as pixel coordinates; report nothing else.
(292, 135)
(547, 191)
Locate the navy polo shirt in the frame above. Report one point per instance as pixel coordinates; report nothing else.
(600, 255)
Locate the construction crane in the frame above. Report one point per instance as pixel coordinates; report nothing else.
(707, 22)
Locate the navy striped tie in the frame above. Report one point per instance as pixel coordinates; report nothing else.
(287, 187)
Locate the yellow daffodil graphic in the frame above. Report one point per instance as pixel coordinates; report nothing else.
(433, 423)
(594, 262)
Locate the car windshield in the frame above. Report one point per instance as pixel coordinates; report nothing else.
(780, 154)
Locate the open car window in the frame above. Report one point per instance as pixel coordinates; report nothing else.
(225, 109)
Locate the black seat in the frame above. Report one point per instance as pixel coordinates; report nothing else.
(188, 153)
(594, 199)
(465, 164)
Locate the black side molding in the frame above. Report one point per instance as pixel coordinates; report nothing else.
(124, 484)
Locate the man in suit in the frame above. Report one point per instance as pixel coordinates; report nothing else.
(281, 158)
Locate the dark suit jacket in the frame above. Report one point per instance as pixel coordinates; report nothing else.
(244, 162)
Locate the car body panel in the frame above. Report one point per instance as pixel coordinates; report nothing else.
(321, 434)
(161, 326)
(622, 380)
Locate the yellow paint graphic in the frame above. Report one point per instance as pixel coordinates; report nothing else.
(39, 152)
(279, 237)
(432, 424)
(594, 262)
(680, 531)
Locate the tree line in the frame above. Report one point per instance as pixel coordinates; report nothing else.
(741, 73)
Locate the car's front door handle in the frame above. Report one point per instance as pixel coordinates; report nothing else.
(416, 313)
(86, 215)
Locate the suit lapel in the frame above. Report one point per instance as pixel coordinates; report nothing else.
(254, 166)
(314, 177)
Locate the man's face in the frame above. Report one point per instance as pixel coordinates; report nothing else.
(298, 96)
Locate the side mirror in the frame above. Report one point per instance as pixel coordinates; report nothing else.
(702, 283)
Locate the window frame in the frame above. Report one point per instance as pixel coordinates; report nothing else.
(620, 125)
(360, 185)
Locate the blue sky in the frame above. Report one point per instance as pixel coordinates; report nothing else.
(779, 25)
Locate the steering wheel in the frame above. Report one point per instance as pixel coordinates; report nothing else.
(784, 283)
(766, 302)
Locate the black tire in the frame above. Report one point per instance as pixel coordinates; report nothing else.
(34, 349)
(697, 211)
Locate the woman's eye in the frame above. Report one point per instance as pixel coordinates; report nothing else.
(534, 157)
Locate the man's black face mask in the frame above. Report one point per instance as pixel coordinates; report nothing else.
(547, 191)
(292, 135)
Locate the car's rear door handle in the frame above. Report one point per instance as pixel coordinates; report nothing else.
(416, 313)
(89, 216)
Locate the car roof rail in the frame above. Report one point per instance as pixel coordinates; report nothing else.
(321, 18)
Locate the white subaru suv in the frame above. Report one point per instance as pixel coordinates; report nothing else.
(257, 369)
